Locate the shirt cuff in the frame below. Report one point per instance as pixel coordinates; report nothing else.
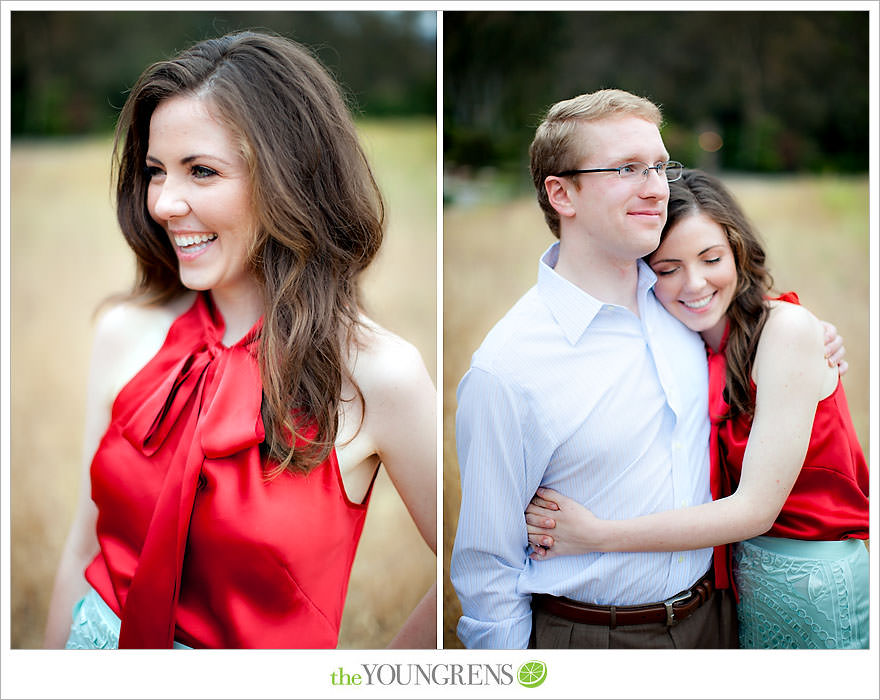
(495, 634)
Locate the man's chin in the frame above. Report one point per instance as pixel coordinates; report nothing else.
(650, 245)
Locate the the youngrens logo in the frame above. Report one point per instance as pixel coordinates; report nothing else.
(531, 674)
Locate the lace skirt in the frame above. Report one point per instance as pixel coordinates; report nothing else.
(798, 594)
(95, 625)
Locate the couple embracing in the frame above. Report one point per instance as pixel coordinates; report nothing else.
(655, 447)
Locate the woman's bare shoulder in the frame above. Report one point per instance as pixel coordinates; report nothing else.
(792, 344)
(385, 365)
(401, 411)
(124, 321)
(129, 333)
(792, 321)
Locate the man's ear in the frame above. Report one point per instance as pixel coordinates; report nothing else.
(557, 193)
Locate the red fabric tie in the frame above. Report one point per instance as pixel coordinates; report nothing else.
(224, 419)
(719, 480)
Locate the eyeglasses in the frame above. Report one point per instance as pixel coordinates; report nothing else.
(632, 172)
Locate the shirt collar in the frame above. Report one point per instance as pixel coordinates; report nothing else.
(572, 307)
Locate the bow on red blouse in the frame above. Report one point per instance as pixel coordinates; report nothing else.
(216, 392)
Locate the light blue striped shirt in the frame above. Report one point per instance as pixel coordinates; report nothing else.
(602, 405)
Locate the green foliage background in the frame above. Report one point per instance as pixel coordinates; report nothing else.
(70, 70)
(786, 91)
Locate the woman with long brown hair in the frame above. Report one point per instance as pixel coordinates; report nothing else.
(788, 472)
(240, 403)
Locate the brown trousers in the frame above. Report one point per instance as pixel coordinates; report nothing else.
(711, 626)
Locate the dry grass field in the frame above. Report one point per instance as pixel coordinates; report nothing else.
(67, 254)
(816, 235)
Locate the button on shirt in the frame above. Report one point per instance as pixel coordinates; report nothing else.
(606, 407)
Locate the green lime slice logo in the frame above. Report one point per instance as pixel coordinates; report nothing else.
(531, 674)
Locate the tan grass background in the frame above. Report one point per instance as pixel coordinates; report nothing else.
(67, 254)
(816, 236)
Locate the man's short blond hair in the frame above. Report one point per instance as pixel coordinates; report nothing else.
(555, 147)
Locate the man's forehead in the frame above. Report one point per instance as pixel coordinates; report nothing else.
(622, 136)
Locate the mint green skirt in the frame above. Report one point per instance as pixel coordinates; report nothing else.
(95, 625)
(799, 594)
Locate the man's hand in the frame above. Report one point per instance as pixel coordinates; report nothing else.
(558, 525)
(834, 349)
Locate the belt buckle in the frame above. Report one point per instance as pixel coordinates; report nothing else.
(670, 614)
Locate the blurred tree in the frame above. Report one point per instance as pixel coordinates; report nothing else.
(70, 70)
(785, 91)
(495, 66)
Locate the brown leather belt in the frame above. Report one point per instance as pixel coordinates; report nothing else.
(670, 611)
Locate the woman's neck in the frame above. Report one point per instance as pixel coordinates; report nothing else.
(713, 337)
(240, 311)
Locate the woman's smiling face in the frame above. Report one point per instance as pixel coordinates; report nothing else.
(200, 194)
(696, 275)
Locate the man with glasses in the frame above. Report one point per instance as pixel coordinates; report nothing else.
(588, 386)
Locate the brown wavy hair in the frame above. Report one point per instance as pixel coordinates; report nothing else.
(319, 213)
(699, 192)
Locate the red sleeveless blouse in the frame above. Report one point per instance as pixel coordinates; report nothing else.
(196, 544)
(829, 499)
